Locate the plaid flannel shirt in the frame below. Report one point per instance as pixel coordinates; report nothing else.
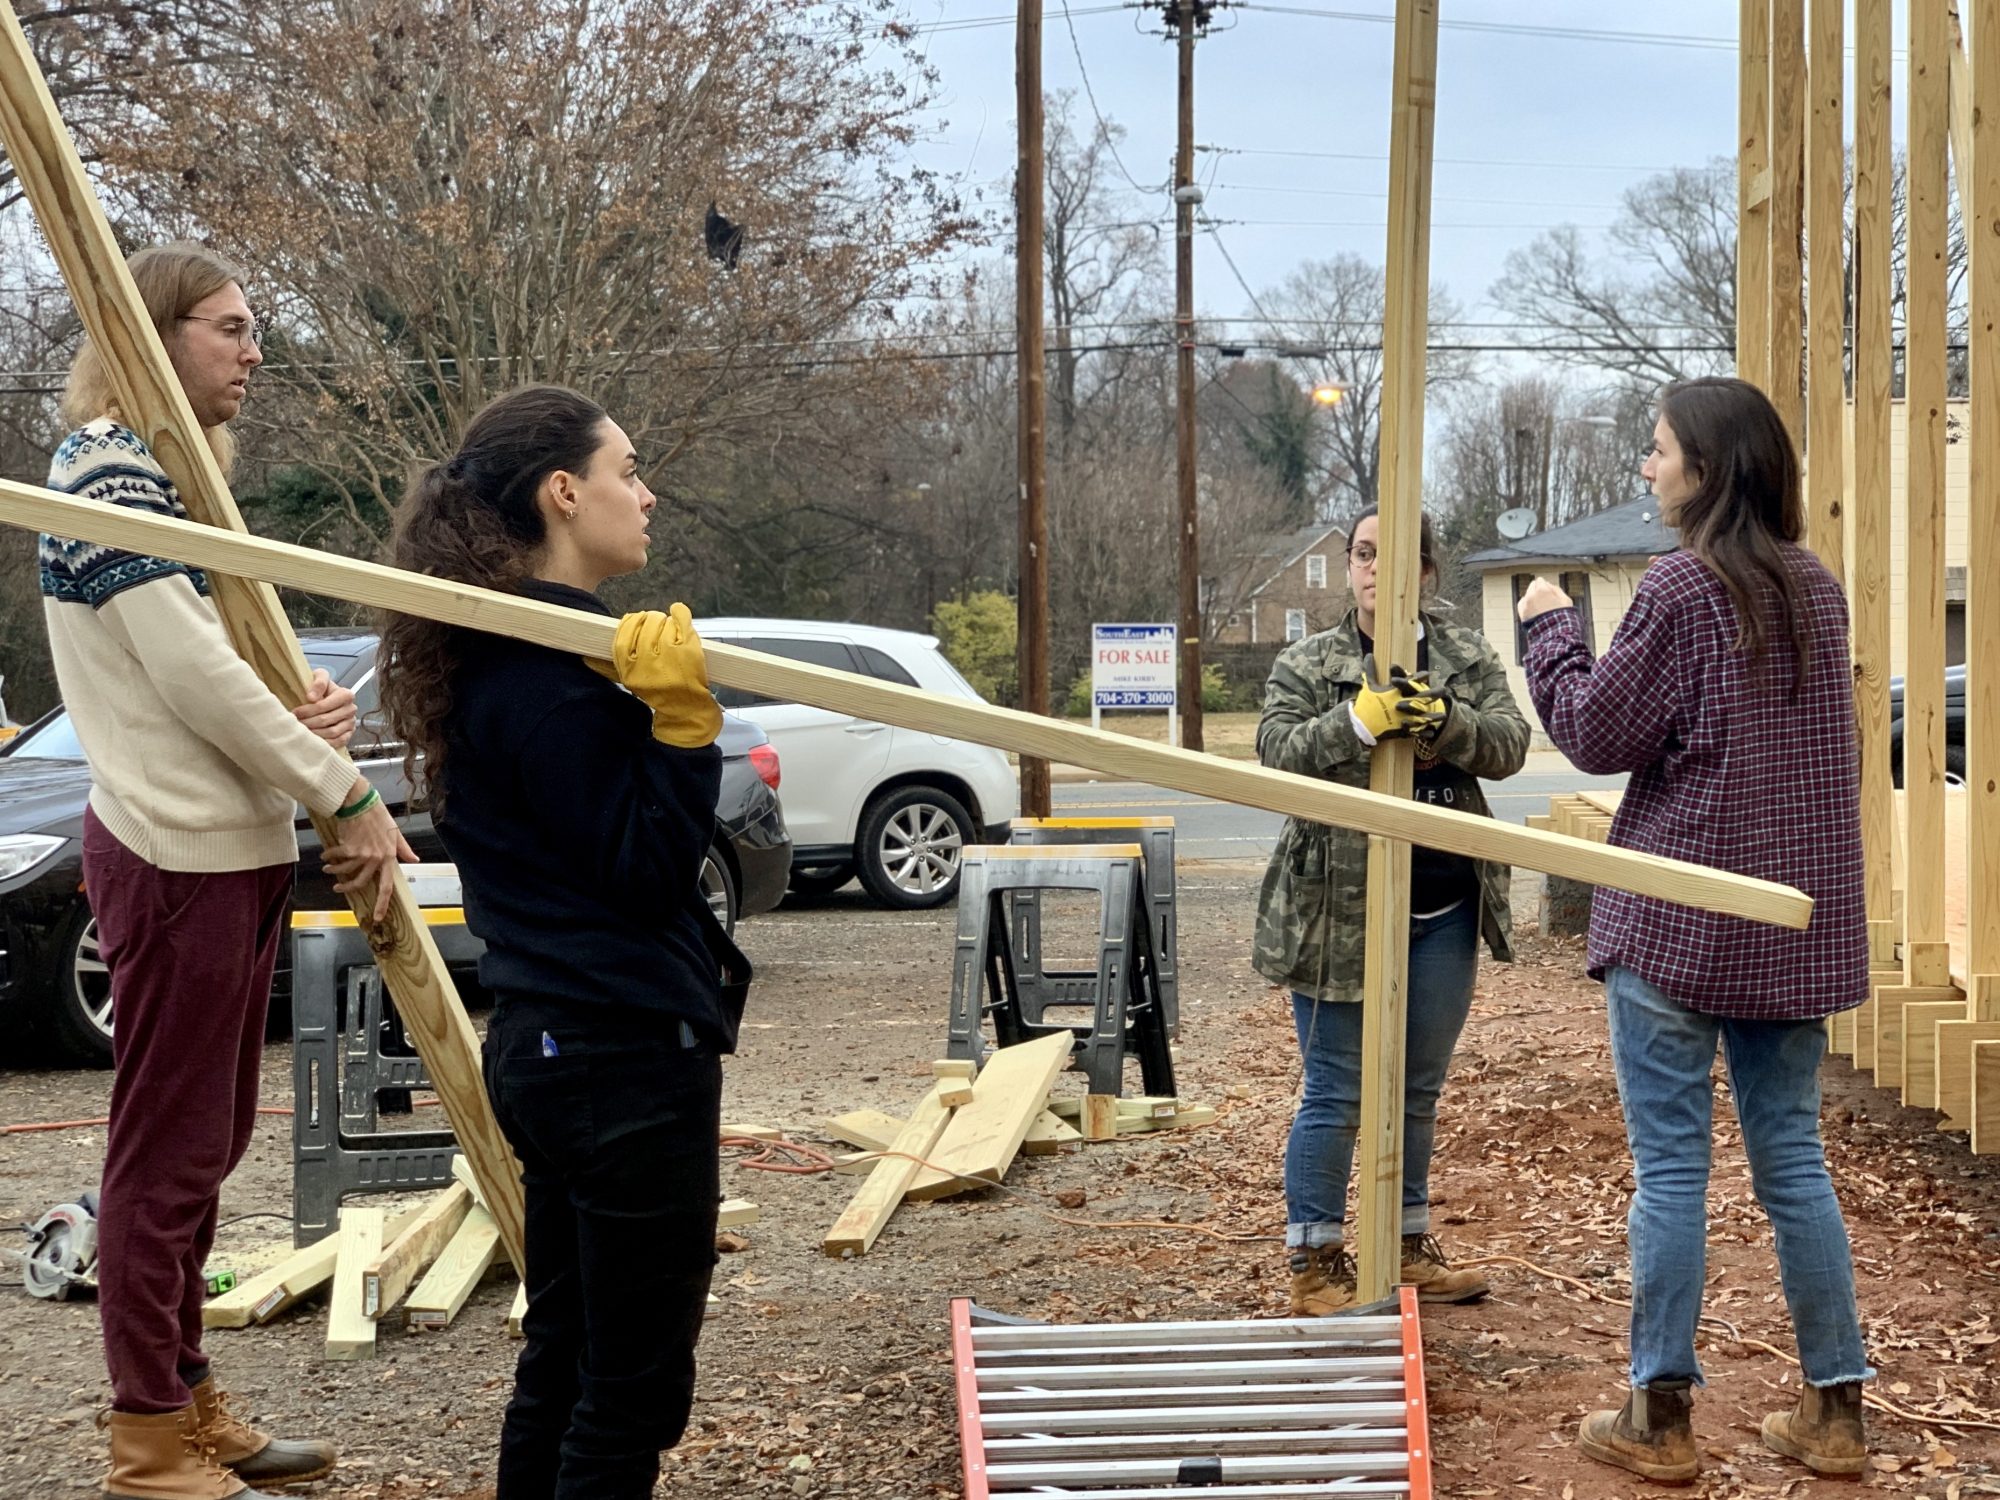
(1726, 772)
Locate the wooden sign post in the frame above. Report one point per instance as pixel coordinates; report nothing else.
(154, 406)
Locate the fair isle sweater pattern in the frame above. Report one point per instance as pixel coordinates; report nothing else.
(112, 465)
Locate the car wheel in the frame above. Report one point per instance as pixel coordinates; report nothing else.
(819, 882)
(908, 848)
(718, 888)
(79, 1023)
(1954, 765)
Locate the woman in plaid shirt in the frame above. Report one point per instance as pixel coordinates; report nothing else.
(1726, 694)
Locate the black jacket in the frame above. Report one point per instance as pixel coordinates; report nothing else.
(579, 838)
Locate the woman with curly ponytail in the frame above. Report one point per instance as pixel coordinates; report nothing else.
(578, 802)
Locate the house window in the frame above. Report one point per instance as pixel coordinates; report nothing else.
(1316, 571)
(1577, 586)
(1521, 582)
(1235, 620)
(1295, 624)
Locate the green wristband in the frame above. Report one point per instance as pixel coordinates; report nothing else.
(360, 805)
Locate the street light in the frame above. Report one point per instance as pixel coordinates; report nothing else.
(1329, 393)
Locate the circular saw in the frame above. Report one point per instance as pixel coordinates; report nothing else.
(61, 1259)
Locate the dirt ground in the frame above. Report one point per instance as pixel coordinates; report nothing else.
(827, 1378)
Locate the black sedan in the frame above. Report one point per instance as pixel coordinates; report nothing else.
(53, 984)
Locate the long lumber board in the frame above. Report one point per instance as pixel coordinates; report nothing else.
(984, 1136)
(590, 635)
(349, 1335)
(263, 1296)
(389, 1275)
(453, 1275)
(152, 403)
(870, 1209)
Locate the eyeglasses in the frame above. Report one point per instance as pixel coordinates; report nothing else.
(247, 333)
(1361, 557)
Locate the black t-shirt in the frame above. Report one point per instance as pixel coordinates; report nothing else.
(1437, 879)
(579, 838)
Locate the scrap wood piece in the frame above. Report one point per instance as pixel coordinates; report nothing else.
(1100, 1117)
(870, 1208)
(735, 1212)
(349, 1335)
(260, 1298)
(518, 1311)
(1185, 1118)
(753, 1132)
(474, 1250)
(389, 1275)
(865, 1129)
(1048, 1134)
(985, 1136)
(955, 1076)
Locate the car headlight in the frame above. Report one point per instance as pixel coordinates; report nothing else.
(22, 852)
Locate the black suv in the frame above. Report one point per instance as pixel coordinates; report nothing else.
(53, 984)
(1954, 726)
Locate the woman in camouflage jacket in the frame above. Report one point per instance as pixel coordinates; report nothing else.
(1322, 717)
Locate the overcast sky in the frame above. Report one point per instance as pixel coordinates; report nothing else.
(1544, 121)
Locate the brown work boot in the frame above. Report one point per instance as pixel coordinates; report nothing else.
(1323, 1280)
(1823, 1431)
(255, 1456)
(164, 1457)
(1426, 1269)
(1653, 1436)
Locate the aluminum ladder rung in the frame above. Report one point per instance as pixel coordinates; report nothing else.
(1241, 1408)
(1261, 1418)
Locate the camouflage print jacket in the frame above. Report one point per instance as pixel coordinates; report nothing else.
(1312, 910)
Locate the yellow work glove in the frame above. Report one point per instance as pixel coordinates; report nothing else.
(658, 657)
(1403, 705)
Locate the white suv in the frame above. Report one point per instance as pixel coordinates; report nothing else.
(892, 806)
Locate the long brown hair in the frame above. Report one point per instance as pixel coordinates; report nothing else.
(1745, 506)
(173, 280)
(473, 519)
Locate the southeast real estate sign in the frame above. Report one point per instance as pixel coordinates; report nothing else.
(1132, 666)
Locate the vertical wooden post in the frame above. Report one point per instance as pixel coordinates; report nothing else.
(1031, 378)
(1753, 194)
(1982, 625)
(1926, 958)
(1826, 285)
(1786, 211)
(1398, 584)
(154, 405)
(1873, 357)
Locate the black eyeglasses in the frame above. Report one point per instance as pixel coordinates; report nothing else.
(1361, 556)
(248, 333)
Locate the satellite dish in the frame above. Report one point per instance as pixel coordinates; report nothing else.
(1515, 524)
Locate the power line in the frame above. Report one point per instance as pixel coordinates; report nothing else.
(1516, 28)
(1103, 125)
(1456, 161)
(1253, 187)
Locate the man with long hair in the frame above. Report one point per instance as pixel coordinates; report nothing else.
(188, 853)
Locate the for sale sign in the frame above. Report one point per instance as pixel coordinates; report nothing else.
(1132, 666)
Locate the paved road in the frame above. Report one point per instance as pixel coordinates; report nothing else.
(1207, 829)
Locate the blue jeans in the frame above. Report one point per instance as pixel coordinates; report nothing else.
(1664, 1053)
(1319, 1157)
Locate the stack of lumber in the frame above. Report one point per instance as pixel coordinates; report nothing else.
(1581, 815)
(965, 1132)
(413, 1267)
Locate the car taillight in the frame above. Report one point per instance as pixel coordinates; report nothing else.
(764, 760)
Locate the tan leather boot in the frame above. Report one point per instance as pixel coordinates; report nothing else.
(1323, 1280)
(1823, 1431)
(163, 1457)
(1653, 1436)
(255, 1456)
(1426, 1269)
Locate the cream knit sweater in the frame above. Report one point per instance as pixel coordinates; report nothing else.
(194, 765)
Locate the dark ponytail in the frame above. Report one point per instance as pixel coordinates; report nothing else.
(473, 519)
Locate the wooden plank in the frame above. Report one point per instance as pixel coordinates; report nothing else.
(1920, 1048)
(260, 1298)
(1840, 1034)
(1542, 821)
(866, 1214)
(459, 1268)
(865, 1129)
(1873, 358)
(1961, 110)
(984, 1137)
(1864, 1034)
(1100, 1117)
(1924, 368)
(1398, 588)
(1048, 1134)
(389, 1275)
(1985, 1064)
(517, 1310)
(1954, 1070)
(1753, 187)
(350, 1335)
(954, 1076)
(152, 403)
(1787, 211)
(376, 586)
(1982, 608)
(1826, 285)
(735, 1213)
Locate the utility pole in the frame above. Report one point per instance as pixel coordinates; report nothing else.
(1032, 658)
(1187, 15)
